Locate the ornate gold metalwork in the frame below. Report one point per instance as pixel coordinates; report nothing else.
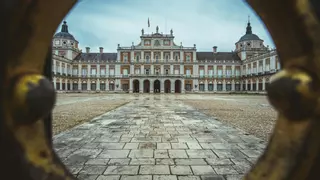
(27, 97)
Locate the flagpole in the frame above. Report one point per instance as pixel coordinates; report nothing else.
(149, 26)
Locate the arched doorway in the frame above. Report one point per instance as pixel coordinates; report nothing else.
(136, 85)
(177, 86)
(156, 86)
(146, 86)
(167, 86)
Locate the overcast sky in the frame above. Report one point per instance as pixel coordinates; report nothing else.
(206, 23)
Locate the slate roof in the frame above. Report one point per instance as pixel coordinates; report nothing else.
(249, 35)
(96, 56)
(217, 56)
(64, 33)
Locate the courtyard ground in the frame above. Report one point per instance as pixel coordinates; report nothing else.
(74, 109)
(250, 113)
(157, 137)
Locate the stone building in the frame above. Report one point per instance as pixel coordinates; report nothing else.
(158, 65)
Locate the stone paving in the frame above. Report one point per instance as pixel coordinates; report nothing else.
(153, 138)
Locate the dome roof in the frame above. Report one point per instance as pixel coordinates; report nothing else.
(64, 33)
(249, 35)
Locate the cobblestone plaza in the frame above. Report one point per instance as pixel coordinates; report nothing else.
(157, 138)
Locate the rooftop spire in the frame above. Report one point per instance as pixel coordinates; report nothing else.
(249, 28)
(64, 27)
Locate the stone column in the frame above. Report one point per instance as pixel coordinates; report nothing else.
(60, 81)
(131, 69)
(89, 70)
(161, 69)
(107, 70)
(171, 69)
(181, 56)
(171, 55)
(257, 85)
(206, 85)
(215, 85)
(88, 85)
(98, 71)
(79, 70)
(215, 73)
(152, 69)
(107, 85)
(224, 85)
(98, 85)
(142, 56)
(264, 84)
(140, 86)
(206, 70)
(151, 85)
(182, 86)
(233, 85)
(172, 85)
(151, 58)
(161, 56)
(162, 85)
(130, 85)
(79, 85)
(142, 69)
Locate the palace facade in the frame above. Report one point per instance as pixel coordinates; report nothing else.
(158, 65)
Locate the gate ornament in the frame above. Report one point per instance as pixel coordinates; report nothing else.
(27, 96)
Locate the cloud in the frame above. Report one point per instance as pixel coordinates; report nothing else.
(205, 23)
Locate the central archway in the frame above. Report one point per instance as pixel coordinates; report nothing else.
(146, 86)
(156, 86)
(177, 86)
(167, 86)
(136, 85)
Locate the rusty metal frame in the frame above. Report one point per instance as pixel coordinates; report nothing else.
(27, 95)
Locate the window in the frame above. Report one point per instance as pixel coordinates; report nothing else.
(167, 71)
(176, 58)
(137, 71)
(84, 72)
(210, 73)
(138, 58)
(188, 58)
(111, 72)
(219, 72)
(201, 73)
(75, 71)
(157, 58)
(167, 57)
(125, 72)
(93, 71)
(125, 58)
(147, 71)
(147, 58)
(103, 72)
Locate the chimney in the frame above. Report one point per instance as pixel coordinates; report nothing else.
(101, 49)
(215, 49)
(87, 49)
